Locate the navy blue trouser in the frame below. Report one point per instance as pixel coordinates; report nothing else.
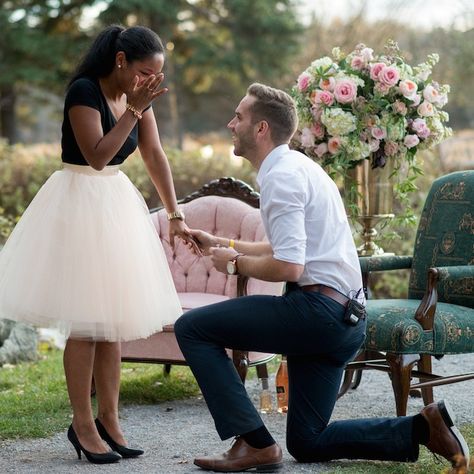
(309, 328)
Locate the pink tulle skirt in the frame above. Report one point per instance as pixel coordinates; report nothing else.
(85, 259)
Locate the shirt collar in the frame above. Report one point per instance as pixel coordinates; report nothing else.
(270, 160)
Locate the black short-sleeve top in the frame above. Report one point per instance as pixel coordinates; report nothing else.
(86, 91)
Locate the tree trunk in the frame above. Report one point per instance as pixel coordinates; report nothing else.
(8, 128)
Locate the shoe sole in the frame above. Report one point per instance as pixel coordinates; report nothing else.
(450, 420)
(264, 468)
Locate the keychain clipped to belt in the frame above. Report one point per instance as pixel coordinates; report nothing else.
(355, 311)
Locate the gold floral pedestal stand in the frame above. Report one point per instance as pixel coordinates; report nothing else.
(371, 190)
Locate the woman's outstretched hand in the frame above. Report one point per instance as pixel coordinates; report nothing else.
(179, 229)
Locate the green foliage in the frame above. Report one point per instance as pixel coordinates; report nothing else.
(23, 170)
(39, 40)
(215, 49)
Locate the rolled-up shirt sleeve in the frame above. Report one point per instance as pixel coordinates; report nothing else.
(282, 204)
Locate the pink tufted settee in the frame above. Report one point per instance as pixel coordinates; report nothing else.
(227, 208)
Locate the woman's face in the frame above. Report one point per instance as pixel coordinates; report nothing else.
(142, 68)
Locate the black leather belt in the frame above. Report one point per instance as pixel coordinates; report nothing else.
(327, 291)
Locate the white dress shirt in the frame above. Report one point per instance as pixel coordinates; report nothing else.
(305, 220)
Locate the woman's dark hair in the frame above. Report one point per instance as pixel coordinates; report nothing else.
(137, 42)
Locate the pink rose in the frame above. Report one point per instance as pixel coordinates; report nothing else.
(375, 68)
(420, 128)
(389, 76)
(345, 91)
(304, 80)
(321, 149)
(374, 145)
(323, 97)
(367, 54)
(416, 99)
(316, 112)
(399, 107)
(358, 63)
(418, 124)
(334, 143)
(390, 148)
(378, 132)
(381, 88)
(408, 88)
(307, 137)
(411, 140)
(430, 94)
(327, 84)
(425, 109)
(318, 130)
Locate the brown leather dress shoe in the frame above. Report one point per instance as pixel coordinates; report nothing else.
(445, 439)
(242, 457)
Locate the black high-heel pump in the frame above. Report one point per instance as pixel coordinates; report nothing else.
(124, 451)
(94, 458)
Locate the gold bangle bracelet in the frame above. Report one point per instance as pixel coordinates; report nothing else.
(136, 113)
(232, 243)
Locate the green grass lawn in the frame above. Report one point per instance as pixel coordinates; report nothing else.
(34, 401)
(34, 404)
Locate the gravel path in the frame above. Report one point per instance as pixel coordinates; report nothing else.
(173, 433)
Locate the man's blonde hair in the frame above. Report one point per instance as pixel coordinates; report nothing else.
(275, 107)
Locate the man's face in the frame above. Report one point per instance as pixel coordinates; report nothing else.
(242, 128)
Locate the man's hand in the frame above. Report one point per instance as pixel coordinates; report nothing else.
(203, 240)
(220, 256)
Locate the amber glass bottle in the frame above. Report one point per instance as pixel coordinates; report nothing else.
(281, 382)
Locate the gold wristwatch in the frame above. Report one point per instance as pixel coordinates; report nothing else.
(175, 215)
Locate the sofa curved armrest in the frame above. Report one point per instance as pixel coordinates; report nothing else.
(384, 263)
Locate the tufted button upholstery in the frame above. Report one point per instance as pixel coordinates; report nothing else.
(224, 217)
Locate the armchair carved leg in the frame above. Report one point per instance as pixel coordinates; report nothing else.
(424, 365)
(401, 366)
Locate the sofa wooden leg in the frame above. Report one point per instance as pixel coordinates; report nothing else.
(166, 370)
(262, 371)
(424, 365)
(401, 366)
(241, 362)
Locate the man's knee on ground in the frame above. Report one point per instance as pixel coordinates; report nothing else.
(304, 450)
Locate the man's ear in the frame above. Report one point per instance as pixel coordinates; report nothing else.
(263, 128)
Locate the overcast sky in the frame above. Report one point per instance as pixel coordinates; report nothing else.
(423, 13)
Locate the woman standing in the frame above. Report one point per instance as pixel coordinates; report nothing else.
(85, 257)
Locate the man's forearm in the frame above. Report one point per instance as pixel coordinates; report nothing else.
(247, 248)
(268, 269)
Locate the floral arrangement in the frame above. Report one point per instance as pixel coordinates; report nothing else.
(361, 105)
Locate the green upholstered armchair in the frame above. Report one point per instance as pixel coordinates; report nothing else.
(437, 319)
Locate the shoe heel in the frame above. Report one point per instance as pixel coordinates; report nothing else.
(78, 451)
(269, 467)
